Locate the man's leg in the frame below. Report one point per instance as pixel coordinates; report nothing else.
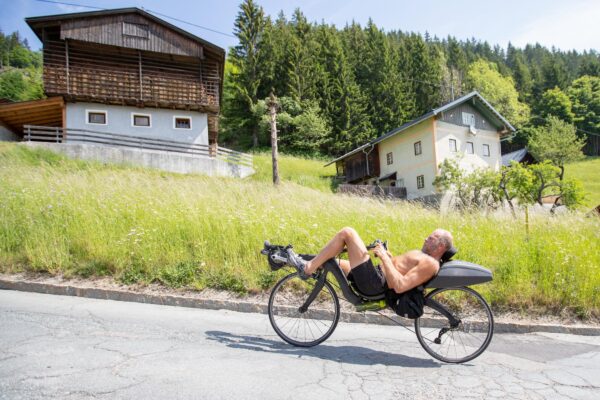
(345, 266)
(347, 237)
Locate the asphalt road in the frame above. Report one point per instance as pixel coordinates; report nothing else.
(56, 347)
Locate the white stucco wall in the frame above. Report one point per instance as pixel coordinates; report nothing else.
(119, 121)
(446, 131)
(406, 164)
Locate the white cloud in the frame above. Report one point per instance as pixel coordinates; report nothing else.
(573, 25)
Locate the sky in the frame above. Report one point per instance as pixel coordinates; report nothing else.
(566, 24)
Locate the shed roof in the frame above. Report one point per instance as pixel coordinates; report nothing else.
(478, 102)
(517, 156)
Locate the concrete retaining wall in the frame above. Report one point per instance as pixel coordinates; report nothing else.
(7, 135)
(162, 160)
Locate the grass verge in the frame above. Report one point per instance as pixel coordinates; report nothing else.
(87, 219)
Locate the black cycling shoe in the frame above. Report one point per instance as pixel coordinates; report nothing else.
(297, 262)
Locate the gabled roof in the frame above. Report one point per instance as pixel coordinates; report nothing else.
(478, 102)
(36, 23)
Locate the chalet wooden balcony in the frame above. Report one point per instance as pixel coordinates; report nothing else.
(81, 71)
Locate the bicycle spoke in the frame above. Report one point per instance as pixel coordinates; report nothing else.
(311, 326)
(465, 341)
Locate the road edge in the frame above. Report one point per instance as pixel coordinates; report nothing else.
(252, 307)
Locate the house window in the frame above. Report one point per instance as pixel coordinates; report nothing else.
(417, 148)
(142, 120)
(470, 149)
(468, 119)
(182, 122)
(390, 158)
(453, 145)
(96, 117)
(486, 150)
(420, 182)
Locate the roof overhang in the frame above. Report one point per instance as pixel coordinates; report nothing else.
(45, 112)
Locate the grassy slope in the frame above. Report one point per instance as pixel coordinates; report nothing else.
(305, 172)
(78, 218)
(588, 172)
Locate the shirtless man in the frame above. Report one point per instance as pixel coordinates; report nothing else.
(400, 273)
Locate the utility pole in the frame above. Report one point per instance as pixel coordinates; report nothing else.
(273, 104)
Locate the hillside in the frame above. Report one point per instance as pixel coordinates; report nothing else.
(303, 171)
(588, 172)
(85, 219)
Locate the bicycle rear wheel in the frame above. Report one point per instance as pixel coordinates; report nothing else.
(464, 340)
(296, 326)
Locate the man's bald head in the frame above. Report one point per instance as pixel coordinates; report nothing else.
(437, 243)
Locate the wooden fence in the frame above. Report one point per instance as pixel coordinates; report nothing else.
(34, 133)
(374, 191)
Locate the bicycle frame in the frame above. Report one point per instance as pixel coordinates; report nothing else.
(332, 267)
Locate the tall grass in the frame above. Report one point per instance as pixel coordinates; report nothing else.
(306, 172)
(78, 218)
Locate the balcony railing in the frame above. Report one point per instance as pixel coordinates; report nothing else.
(34, 133)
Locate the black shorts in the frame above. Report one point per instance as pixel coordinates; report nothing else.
(369, 280)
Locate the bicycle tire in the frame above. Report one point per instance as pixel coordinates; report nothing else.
(316, 314)
(474, 332)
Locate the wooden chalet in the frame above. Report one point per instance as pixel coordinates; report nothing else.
(130, 57)
(125, 78)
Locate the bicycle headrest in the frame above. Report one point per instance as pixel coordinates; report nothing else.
(448, 254)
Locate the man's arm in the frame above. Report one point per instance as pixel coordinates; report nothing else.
(420, 273)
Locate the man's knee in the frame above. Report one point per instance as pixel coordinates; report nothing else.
(347, 233)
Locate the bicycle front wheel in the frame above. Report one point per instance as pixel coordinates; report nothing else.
(467, 337)
(299, 327)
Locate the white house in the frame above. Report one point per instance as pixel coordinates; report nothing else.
(468, 129)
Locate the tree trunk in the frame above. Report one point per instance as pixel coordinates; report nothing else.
(255, 136)
(274, 155)
(562, 172)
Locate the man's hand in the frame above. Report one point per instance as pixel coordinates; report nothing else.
(380, 251)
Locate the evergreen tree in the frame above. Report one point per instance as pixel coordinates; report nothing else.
(384, 87)
(585, 96)
(303, 72)
(423, 71)
(247, 58)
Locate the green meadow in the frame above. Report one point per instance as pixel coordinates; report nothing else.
(86, 219)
